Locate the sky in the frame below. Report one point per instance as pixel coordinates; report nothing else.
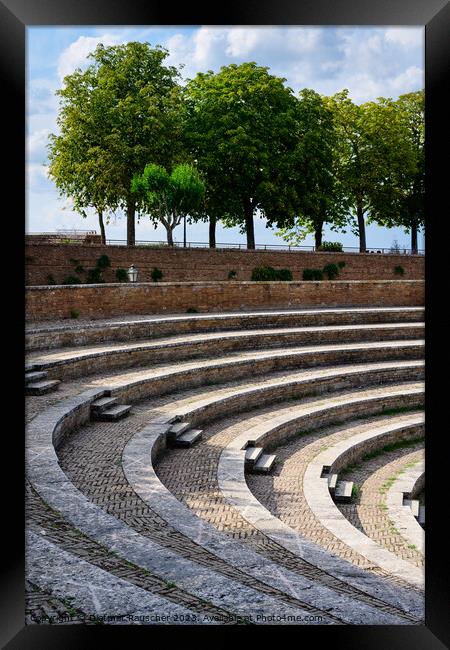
(370, 62)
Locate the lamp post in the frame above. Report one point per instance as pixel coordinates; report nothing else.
(132, 273)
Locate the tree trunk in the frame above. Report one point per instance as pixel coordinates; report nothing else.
(361, 229)
(318, 234)
(102, 226)
(131, 213)
(212, 232)
(414, 238)
(169, 236)
(249, 225)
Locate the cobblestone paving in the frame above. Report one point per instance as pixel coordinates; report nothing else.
(190, 474)
(41, 607)
(368, 513)
(282, 491)
(44, 520)
(92, 460)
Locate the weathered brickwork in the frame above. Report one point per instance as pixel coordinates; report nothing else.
(207, 264)
(102, 301)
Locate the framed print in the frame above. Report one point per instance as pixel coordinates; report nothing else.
(226, 296)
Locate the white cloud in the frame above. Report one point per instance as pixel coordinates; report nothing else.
(37, 145)
(75, 56)
(405, 36)
(37, 178)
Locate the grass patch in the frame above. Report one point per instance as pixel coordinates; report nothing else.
(393, 446)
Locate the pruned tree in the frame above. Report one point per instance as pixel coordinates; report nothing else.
(168, 198)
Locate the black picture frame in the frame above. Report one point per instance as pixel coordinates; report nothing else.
(15, 17)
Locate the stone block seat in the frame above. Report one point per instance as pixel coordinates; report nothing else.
(188, 506)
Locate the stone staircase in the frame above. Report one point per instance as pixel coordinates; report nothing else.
(36, 383)
(107, 409)
(226, 391)
(182, 435)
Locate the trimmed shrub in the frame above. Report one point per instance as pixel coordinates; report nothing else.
(341, 264)
(331, 271)
(51, 279)
(232, 275)
(334, 246)
(191, 310)
(74, 313)
(284, 274)
(122, 275)
(103, 262)
(156, 274)
(399, 270)
(312, 274)
(94, 276)
(71, 279)
(268, 273)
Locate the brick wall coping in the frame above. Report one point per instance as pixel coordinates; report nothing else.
(214, 283)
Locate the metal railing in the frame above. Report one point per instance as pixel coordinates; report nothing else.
(77, 237)
(269, 247)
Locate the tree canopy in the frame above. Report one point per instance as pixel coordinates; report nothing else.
(240, 126)
(168, 198)
(118, 114)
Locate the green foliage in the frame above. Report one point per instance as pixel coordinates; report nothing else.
(331, 271)
(72, 279)
(156, 274)
(268, 273)
(191, 310)
(74, 313)
(167, 198)
(115, 116)
(51, 279)
(94, 276)
(312, 274)
(241, 128)
(341, 264)
(232, 275)
(399, 270)
(122, 275)
(103, 262)
(333, 246)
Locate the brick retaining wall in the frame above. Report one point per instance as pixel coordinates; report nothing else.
(105, 300)
(199, 264)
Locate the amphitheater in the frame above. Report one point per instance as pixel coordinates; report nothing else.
(258, 465)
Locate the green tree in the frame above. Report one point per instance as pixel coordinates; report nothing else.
(406, 208)
(168, 198)
(371, 155)
(76, 162)
(132, 102)
(240, 126)
(314, 173)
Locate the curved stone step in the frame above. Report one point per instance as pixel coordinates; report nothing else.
(221, 400)
(399, 512)
(59, 493)
(232, 483)
(98, 593)
(317, 495)
(138, 464)
(140, 384)
(85, 361)
(42, 387)
(133, 328)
